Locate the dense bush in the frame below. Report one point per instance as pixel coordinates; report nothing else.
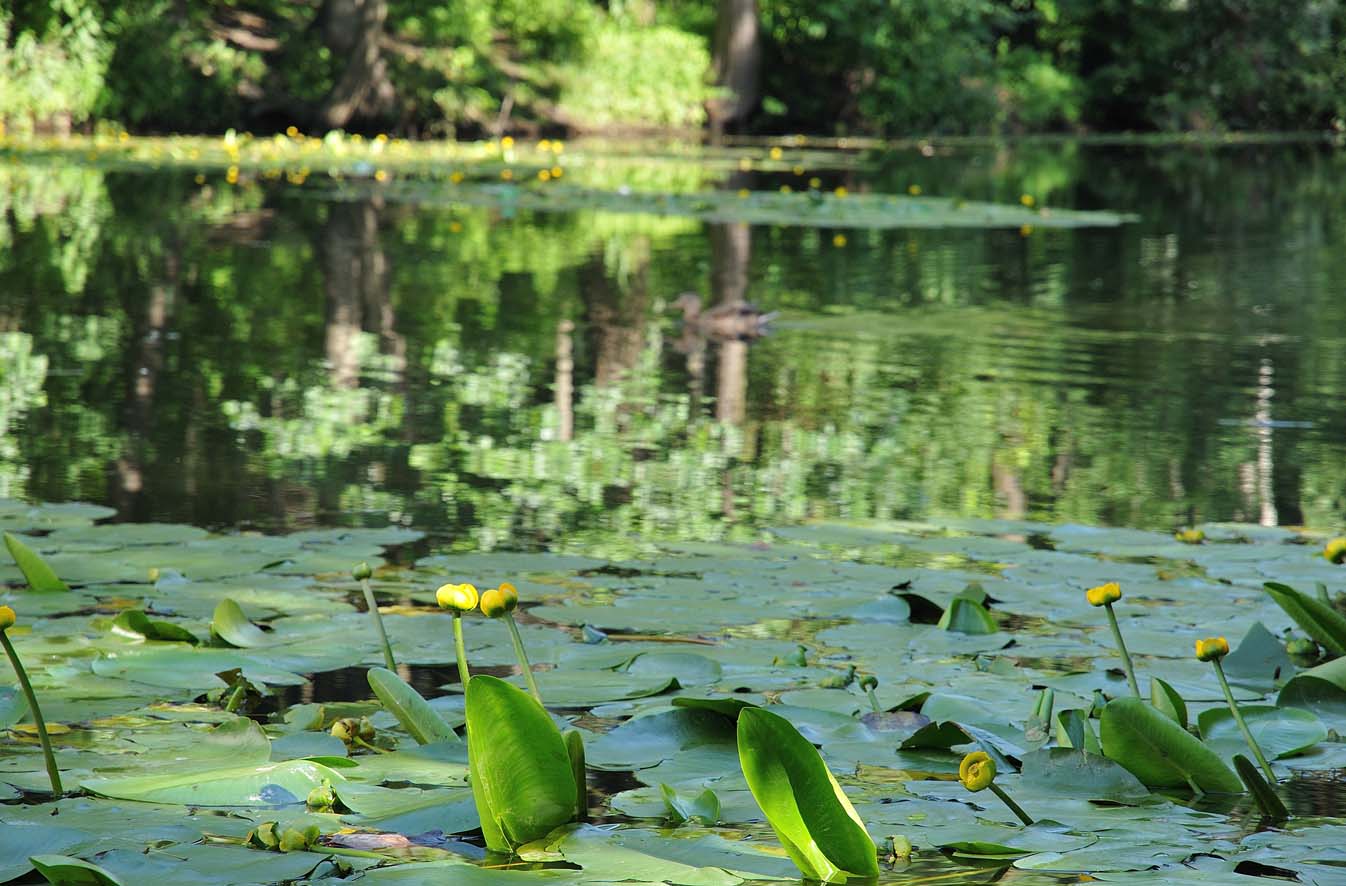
(828, 66)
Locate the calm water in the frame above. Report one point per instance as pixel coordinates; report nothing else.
(262, 356)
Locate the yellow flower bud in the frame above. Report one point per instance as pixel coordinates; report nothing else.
(493, 603)
(1190, 536)
(1104, 594)
(292, 840)
(1335, 552)
(346, 729)
(361, 571)
(1212, 648)
(7, 618)
(460, 598)
(511, 595)
(977, 771)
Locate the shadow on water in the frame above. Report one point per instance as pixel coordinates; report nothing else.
(1319, 793)
(352, 685)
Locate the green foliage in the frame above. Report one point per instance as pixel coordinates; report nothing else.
(1319, 620)
(1159, 752)
(523, 777)
(803, 803)
(36, 572)
(633, 76)
(53, 55)
(412, 711)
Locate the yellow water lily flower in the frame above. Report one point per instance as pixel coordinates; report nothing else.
(1104, 594)
(460, 598)
(1190, 536)
(977, 771)
(7, 618)
(1212, 648)
(493, 603)
(1335, 552)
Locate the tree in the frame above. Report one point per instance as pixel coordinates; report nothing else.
(737, 63)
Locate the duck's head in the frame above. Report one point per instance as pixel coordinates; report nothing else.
(689, 303)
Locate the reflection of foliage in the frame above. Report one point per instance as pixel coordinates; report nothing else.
(1098, 377)
(22, 376)
(66, 207)
(318, 422)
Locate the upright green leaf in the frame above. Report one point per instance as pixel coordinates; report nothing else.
(1168, 702)
(1271, 805)
(967, 617)
(1159, 752)
(523, 780)
(135, 624)
(1318, 619)
(1073, 730)
(703, 806)
(575, 750)
(233, 627)
(38, 574)
(803, 802)
(412, 711)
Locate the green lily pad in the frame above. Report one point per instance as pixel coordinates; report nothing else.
(1279, 731)
(271, 784)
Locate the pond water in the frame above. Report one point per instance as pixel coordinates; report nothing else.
(257, 354)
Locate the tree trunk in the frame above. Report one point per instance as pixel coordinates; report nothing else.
(354, 28)
(738, 58)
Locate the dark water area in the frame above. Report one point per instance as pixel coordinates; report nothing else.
(261, 356)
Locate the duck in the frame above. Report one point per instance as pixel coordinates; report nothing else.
(735, 321)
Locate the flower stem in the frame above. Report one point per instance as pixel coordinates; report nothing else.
(364, 744)
(372, 605)
(1121, 647)
(874, 701)
(522, 655)
(235, 698)
(1013, 807)
(1243, 726)
(460, 649)
(52, 772)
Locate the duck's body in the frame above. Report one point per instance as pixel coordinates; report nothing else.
(737, 320)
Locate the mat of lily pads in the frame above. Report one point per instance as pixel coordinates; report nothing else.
(649, 656)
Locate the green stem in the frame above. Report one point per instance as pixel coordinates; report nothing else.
(1243, 726)
(235, 697)
(364, 744)
(460, 649)
(873, 701)
(1121, 647)
(522, 655)
(52, 772)
(1013, 807)
(373, 607)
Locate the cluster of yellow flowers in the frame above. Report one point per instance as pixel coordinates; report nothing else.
(494, 602)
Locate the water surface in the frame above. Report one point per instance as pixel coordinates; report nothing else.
(261, 355)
